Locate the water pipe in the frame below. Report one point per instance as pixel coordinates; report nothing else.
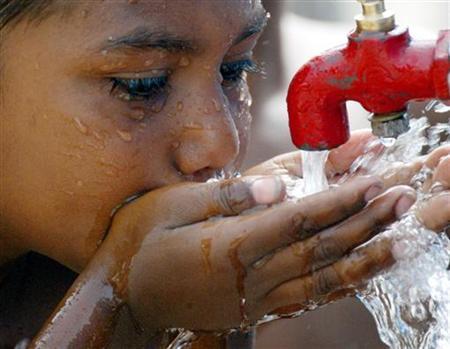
(381, 67)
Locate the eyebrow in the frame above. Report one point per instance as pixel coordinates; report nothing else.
(142, 38)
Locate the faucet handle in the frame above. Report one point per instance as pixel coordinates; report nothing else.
(375, 18)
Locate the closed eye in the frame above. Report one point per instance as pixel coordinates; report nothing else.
(139, 88)
(234, 71)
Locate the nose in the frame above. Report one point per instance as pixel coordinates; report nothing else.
(209, 138)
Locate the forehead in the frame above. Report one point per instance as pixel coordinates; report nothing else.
(201, 20)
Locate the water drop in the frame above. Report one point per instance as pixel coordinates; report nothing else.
(110, 38)
(207, 67)
(206, 252)
(206, 110)
(217, 106)
(148, 62)
(192, 125)
(104, 52)
(387, 142)
(184, 61)
(97, 135)
(125, 135)
(80, 126)
(137, 114)
(180, 105)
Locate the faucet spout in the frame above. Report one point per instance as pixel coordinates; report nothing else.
(382, 71)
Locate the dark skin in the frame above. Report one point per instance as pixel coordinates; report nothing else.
(79, 150)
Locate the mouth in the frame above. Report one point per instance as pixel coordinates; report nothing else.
(205, 174)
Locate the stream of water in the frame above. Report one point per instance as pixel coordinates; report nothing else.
(411, 302)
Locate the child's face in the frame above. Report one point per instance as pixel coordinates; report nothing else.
(72, 150)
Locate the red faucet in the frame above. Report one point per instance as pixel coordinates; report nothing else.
(381, 68)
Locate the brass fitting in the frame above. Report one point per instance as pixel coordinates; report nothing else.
(374, 18)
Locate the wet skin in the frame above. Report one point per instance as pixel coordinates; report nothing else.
(72, 150)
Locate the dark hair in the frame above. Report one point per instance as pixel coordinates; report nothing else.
(12, 11)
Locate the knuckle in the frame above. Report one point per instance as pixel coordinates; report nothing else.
(232, 197)
(326, 251)
(325, 281)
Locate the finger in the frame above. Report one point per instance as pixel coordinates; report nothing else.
(402, 174)
(327, 247)
(433, 159)
(339, 159)
(191, 202)
(322, 285)
(281, 225)
(435, 214)
(441, 175)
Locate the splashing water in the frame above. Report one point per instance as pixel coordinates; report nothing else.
(411, 302)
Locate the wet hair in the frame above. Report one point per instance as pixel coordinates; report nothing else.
(13, 11)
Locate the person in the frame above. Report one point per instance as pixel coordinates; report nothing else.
(113, 116)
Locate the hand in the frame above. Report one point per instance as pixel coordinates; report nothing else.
(177, 268)
(435, 213)
(338, 162)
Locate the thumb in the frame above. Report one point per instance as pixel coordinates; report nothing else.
(190, 203)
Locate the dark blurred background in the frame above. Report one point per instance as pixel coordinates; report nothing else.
(299, 30)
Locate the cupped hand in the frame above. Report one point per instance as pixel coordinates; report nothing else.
(188, 256)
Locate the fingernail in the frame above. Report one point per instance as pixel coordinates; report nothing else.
(373, 191)
(437, 188)
(266, 190)
(404, 203)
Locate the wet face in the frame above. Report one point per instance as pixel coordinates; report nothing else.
(114, 98)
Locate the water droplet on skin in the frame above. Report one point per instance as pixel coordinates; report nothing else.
(216, 105)
(125, 135)
(207, 67)
(206, 110)
(184, 61)
(192, 125)
(68, 192)
(104, 52)
(205, 246)
(180, 105)
(80, 126)
(241, 274)
(143, 125)
(137, 114)
(148, 62)
(110, 38)
(98, 136)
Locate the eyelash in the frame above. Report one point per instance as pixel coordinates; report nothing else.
(148, 88)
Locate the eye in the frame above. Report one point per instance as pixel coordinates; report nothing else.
(234, 71)
(139, 88)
